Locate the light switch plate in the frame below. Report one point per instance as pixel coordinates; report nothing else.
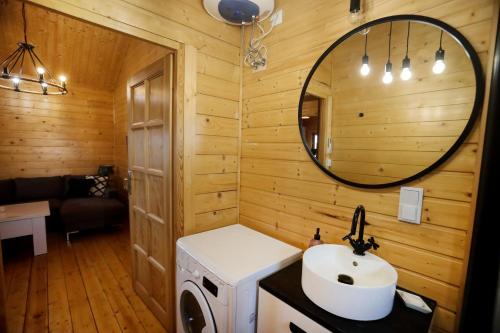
(410, 204)
(277, 18)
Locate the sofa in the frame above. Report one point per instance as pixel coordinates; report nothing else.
(72, 207)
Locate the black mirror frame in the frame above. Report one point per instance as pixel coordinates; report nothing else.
(476, 109)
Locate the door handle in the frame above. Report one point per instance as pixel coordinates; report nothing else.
(129, 182)
(295, 329)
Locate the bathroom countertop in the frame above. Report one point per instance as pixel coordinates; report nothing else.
(286, 286)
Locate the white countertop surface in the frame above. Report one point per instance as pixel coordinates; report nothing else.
(235, 253)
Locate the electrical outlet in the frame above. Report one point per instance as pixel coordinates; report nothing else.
(277, 18)
(259, 68)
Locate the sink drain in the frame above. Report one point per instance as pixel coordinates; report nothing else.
(346, 279)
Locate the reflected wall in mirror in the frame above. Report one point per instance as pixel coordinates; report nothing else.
(390, 101)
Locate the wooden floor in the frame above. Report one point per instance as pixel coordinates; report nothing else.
(83, 288)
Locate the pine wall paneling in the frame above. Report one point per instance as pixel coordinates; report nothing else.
(282, 193)
(215, 142)
(55, 135)
(285, 195)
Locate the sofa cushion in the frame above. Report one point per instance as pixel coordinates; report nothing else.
(7, 193)
(53, 222)
(55, 205)
(30, 189)
(66, 179)
(100, 185)
(89, 209)
(78, 187)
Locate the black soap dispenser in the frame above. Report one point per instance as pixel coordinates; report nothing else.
(316, 240)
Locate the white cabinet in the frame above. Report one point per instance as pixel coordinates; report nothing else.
(275, 316)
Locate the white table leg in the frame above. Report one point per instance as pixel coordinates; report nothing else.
(39, 236)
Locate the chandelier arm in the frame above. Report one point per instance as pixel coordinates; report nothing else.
(7, 60)
(49, 76)
(17, 58)
(13, 58)
(32, 59)
(22, 63)
(15, 62)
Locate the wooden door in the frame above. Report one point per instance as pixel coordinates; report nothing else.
(150, 133)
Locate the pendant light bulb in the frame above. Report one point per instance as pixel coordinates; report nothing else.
(439, 65)
(365, 68)
(16, 81)
(387, 78)
(355, 14)
(406, 72)
(17, 68)
(44, 87)
(63, 78)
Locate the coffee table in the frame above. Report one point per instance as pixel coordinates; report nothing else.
(25, 219)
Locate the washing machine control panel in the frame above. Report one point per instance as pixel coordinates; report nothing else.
(204, 279)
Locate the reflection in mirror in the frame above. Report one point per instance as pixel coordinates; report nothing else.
(387, 103)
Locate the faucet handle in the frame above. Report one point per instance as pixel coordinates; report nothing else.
(371, 240)
(346, 237)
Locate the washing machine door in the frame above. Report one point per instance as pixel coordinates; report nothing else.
(195, 312)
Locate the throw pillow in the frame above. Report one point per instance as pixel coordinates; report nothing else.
(99, 187)
(79, 187)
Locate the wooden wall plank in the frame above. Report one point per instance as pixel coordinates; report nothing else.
(285, 195)
(55, 135)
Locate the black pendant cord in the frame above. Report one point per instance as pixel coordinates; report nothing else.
(24, 23)
(408, 38)
(390, 38)
(33, 56)
(366, 43)
(441, 40)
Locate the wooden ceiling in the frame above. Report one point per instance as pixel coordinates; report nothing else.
(89, 55)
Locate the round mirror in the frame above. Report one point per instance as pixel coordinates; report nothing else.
(390, 101)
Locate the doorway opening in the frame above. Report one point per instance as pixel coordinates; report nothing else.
(87, 285)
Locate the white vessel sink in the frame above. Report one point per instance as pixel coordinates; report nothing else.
(369, 297)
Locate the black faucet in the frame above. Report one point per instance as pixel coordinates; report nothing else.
(359, 245)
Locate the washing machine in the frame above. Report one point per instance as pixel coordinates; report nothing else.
(217, 278)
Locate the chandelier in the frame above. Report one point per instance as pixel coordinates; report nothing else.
(14, 76)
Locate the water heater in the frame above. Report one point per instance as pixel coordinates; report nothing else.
(239, 12)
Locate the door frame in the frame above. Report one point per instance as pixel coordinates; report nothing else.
(183, 100)
(183, 104)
